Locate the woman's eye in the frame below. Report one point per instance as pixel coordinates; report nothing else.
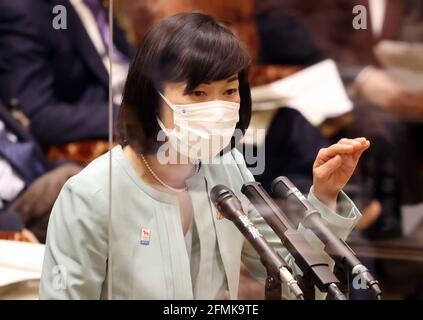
(198, 93)
(231, 92)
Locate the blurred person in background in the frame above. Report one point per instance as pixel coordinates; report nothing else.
(29, 184)
(391, 171)
(61, 76)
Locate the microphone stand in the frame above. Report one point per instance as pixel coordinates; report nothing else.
(300, 210)
(316, 271)
(344, 279)
(277, 269)
(272, 288)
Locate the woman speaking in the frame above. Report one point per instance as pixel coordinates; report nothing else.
(186, 97)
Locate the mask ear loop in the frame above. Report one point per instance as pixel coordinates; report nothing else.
(170, 105)
(161, 124)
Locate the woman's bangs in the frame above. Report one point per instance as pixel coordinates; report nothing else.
(204, 59)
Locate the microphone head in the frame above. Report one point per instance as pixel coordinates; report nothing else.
(281, 186)
(219, 192)
(225, 200)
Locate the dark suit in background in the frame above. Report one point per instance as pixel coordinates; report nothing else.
(292, 144)
(57, 75)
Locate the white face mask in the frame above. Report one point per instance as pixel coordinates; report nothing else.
(202, 129)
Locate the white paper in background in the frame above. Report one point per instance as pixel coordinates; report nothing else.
(20, 261)
(400, 55)
(317, 92)
(403, 62)
(411, 217)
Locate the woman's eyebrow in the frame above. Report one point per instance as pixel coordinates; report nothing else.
(207, 83)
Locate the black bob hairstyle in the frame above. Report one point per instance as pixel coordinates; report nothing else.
(191, 47)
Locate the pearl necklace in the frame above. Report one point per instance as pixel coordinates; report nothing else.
(147, 165)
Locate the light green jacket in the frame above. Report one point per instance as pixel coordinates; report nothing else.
(78, 242)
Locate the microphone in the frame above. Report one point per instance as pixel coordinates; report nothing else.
(300, 210)
(313, 265)
(230, 207)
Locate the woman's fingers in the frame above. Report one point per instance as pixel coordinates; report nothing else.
(357, 142)
(326, 169)
(327, 153)
(359, 145)
(359, 151)
(354, 147)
